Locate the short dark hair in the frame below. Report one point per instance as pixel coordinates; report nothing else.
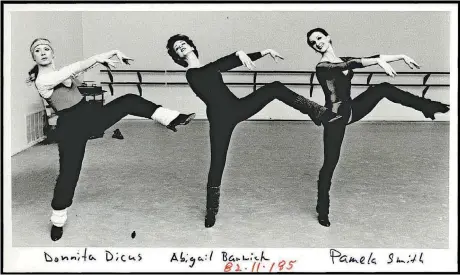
(170, 47)
(310, 32)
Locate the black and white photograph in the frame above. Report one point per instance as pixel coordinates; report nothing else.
(235, 137)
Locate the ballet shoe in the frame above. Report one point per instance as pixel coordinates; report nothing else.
(181, 119)
(324, 220)
(209, 220)
(117, 134)
(436, 107)
(56, 233)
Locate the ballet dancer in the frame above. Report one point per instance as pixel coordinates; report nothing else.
(78, 120)
(225, 110)
(334, 75)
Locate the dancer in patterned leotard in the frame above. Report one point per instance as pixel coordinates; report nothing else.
(334, 75)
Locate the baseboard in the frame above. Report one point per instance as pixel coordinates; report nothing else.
(35, 142)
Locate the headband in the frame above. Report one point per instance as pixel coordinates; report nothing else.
(40, 42)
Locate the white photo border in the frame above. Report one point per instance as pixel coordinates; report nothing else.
(21, 259)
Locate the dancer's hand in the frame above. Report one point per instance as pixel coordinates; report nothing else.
(274, 54)
(246, 60)
(410, 62)
(122, 57)
(107, 62)
(387, 68)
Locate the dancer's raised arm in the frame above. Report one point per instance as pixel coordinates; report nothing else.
(240, 58)
(409, 61)
(234, 60)
(247, 59)
(350, 63)
(50, 79)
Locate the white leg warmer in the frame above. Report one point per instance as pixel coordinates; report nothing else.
(59, 217)
(164, 115)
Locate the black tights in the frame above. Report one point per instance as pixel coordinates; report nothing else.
(75, 125)
(358, 108)
(223, 120)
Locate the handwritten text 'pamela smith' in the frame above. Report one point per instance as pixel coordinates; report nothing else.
(338, 257)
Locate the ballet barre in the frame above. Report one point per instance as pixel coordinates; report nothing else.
(255, 74)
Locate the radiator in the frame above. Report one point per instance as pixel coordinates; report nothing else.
(35, 123)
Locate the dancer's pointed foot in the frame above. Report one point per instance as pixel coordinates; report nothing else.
(56, 232)
(181, 119)
(436, 107)
(209, 220)
(324, 220)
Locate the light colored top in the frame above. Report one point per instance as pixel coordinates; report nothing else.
(45, 83)
(59, 88)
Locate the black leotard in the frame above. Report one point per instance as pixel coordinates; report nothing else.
(207, 83)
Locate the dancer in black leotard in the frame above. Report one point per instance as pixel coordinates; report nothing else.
(78, 120)
(334, 75)
(225, 110)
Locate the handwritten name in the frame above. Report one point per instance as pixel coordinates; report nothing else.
(227, 257)
(192, 260)
(110, 256)
(185, 258)
(410, 259)
(338, 257)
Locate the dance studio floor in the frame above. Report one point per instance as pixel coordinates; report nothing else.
(390, 188)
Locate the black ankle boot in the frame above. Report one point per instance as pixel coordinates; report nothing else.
(181, 119)
(318, 114)
(323, 219)
(56, 232)
(323, 202)
(210, 219)
(212, 205)
(434, 107)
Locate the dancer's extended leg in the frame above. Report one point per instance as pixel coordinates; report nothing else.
(257, 100)
(366, 101)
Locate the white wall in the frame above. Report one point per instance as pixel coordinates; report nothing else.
(143, 36)
(64, 29)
